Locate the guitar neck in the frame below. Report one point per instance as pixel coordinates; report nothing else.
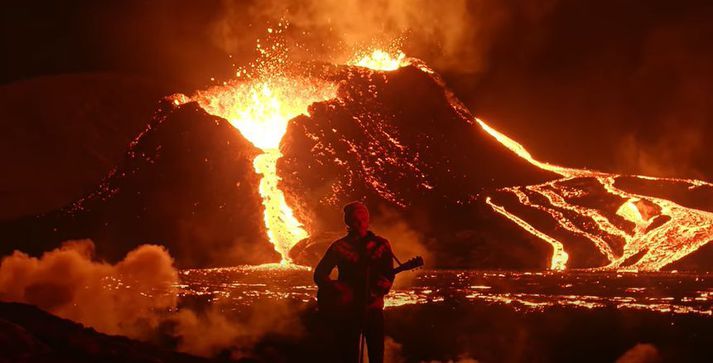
(399, 270)
(412, 264)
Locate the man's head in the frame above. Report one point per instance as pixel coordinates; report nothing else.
(356, 217)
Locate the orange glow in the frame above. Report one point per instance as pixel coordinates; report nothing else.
(260, 109)
(380, 60)
(261, 106)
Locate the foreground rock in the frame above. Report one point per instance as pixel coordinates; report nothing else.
(28, 334)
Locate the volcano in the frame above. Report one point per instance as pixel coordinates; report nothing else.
(253, 167)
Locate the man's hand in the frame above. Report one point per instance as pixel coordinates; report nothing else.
(343, 293)
(383, 285)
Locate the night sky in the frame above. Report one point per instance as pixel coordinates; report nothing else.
(620, 86)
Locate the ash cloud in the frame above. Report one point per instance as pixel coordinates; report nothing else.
(628, 93)
(673, 79)
(585, 84)
(543, 71)
(669, 154)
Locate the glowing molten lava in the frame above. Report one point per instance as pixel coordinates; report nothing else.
(652, 246)
(260, 109)
(630, 211)
(380, 60)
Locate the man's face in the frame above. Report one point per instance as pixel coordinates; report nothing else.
(358, 220)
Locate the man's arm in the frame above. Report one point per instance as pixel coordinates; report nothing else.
(386, 267)
(324, 267)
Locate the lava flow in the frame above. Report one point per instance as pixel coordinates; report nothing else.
(663, 231)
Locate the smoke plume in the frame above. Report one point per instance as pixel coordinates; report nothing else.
(137, 297)
(126, 298)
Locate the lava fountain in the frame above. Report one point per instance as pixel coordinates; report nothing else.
(260, 108)
(259, 102)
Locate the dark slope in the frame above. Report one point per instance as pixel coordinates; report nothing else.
(187, 182)
(28, 334)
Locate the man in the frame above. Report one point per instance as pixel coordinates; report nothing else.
(364, 263)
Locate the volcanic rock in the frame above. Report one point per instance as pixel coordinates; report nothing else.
(401, 142)
(187, 182)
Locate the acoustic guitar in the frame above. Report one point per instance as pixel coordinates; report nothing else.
(331, 298)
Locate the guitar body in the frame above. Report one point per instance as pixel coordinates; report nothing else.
(336, 297)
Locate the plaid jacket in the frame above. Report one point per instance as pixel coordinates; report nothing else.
(356, 258)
